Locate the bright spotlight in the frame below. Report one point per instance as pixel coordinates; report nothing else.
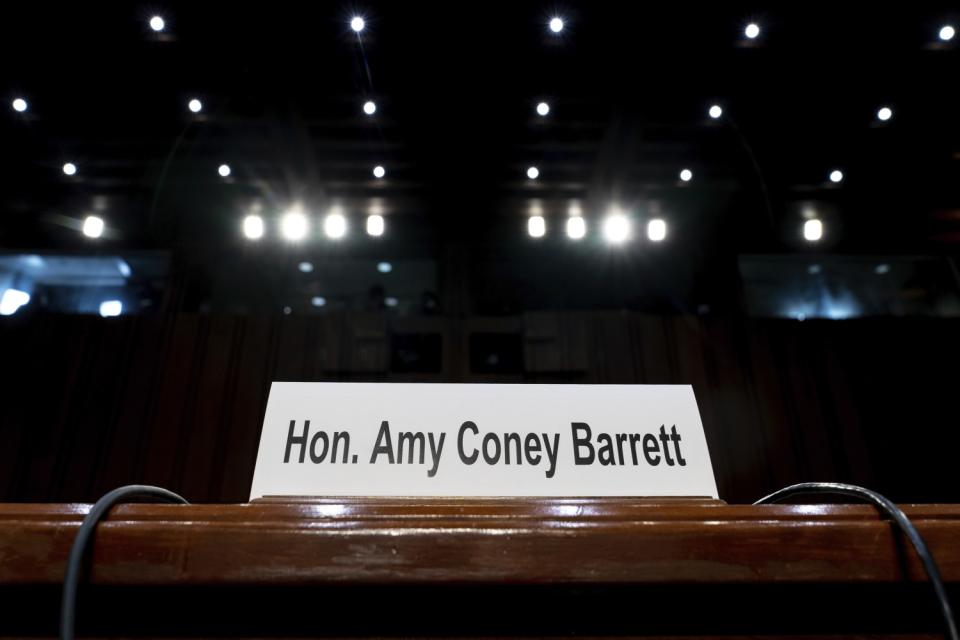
(223, 170)
(686, 175)
(656, 229)
(157, 23)
(111, 308)
(752, 30)
(195, 105)
(616, 228)
(556, 25)
(253, 227)
(884, 114)
(536, 226)
(384, 267)
(576, 227)
(19, 105)
(357, 24)
(12, 300)
(715, 111)
(947, 32)
(93, 226)
(70, 169)
(294, 225)
(305, 267)
(335, 225)
(812, 230)
(375, 225)
(318, 301)
(836, 176)
(533, 173)
(369, 107)
(543, 109)
(379, 172)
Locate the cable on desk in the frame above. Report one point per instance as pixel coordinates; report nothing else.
(897, 515)
(78, 551)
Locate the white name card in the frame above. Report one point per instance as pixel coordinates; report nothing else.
(391, 439)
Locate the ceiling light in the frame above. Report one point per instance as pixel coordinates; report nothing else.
(384, 267)
(836, 176)
(12, 300)
(253, 227)
(656, 229)
(752, 30)
(533, 173)
(223, 170)
(294, 225)
(335, 225)
(157, 23)
(715, 111)
(616, 228)
(686, 175)
(357, 24)
(305, 267)
(390, 301)
(195, 105)
(93, 226)
(19, 105)
(543, 109)
(536, 226)
(812, 230)
(556, 25)
(882, 269)
(318, 301)
(379, 172)
(369, 107)
(111, 308)
(375, 225)
(947, 32)
(70, 169)
(884, 114)
(576, 227)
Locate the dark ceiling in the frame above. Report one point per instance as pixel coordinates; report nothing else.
(456, 84)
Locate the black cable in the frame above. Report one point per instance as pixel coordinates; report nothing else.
(78, 551)
(897, 515)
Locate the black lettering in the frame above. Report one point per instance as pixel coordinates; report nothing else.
(411, 438)
(605, 452)
(339, 436)
(621, 438)
(634, 439)
(507, 439)
(651, 447)
(300, 440)
(468, 425)
(385, 448)
(552, 452)
(531, 446)
(676, 445)
(436, 448)
(583, 441)
(665, 439)
(486, 456)
(320, 436)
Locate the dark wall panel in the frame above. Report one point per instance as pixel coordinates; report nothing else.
(89, 404)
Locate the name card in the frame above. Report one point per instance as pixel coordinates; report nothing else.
(392, 439)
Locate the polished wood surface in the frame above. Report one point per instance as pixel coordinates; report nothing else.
(477, 541)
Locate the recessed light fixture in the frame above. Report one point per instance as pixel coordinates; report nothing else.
(884, 114)
(533, 173)
(536, 226)
(556, 24)
(157, 23)
(715, 111)
(357, 23)
(369, 107)
(812, 230)
(224, 170)
(294, 225)
(70, 169)
(656, 229)
(576, 227)
(686, 175)
(947, 32)
(543, 109)
(752, 30)
(379, 172)
(616, 228)
(836, 176)
(19, 105)
(335, 225)
(93, 226)
(375, 225)
(195, 105)
(253, 227)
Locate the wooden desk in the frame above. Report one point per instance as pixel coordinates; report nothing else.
(469, 567)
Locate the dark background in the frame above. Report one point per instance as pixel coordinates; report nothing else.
(829, 360)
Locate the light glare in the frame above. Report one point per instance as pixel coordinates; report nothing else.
(616, 228)
(294, 225)
(195, 105)
(836, 176)
(812, 230)
(536, 226)
(752, 30)
(357, 24)
(379, 172)
(556, 25)
(253, 227)
(111, 308)
(19, 105)
(656, 229)
(576, 227)
(947, 32)
(715, 111)
(533, 173)
(375, 226)
(335, 225)
(223, 170)
(70, 169)
(93, 226)
(157, 23)
(12, 300)
(543, 109)
(884, 114)
(369, 107)
(686, 175)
